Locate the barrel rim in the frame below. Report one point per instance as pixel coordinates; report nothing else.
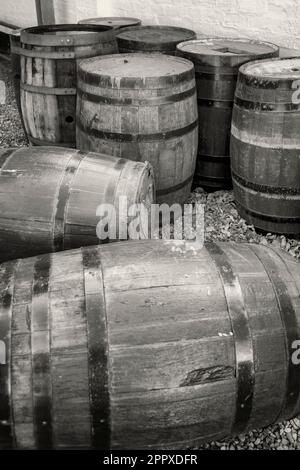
(37, 35)
(96, 79)
(221, 59)
(99, 19)
(251, 78)
(135, 44)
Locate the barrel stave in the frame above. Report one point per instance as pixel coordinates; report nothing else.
(264, 148)
(172, 360)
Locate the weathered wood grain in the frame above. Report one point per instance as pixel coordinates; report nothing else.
(49, 197)
(216, 65)
(265, 145)
(158, 326)
(142, 107)
(49, 57)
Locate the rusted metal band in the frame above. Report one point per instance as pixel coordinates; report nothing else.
(271, 107)
(44, 90)
(177, 187)
(227, 104)
(46, 143)
(244, 352)
(290, 325)
(41, 355)
(118, 137)
(213, 158)
(43, 35)
(97, 349)
(63, 55)
(5, 156)
(63, 198)
(217, 76)
(132, 83)
(263, 188)
(155, 101)
(7, 272)
(268, 218)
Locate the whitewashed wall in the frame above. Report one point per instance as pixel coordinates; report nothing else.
(270, 20)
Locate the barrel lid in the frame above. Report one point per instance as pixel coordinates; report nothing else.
(226, 51)
(152, 36)
(275, 69)
(65, 34)
(114, 21)
(135, 70)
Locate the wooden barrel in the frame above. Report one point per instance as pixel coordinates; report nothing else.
(49, 197)
(265, 145)
(116, 22)
(216, 65)
(142, 107)
(147, 345)
(49, 57)
(162, 39)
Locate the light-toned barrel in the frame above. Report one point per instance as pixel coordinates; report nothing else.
(49, 56)
(147, 345)
(49, 197)
(265, 145)
(142, 107)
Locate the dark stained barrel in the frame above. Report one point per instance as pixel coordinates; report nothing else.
(49, 197)
(162, 39)
(265, 145)
(147, 345)
(116, 22)
(216, 65)
(49, 57)
(142, 107)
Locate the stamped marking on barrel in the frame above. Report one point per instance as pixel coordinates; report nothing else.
(97, 349)
(6, 298)
(40, 347)
(290, 324)
(244, 350)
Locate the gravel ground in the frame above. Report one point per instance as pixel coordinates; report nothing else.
(222, 223)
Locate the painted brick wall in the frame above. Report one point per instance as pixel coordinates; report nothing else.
(270, 20)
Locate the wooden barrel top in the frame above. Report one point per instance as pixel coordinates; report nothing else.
(154, 35)
(227, 47)
(275, 68)
(114, 21)
(138, 67)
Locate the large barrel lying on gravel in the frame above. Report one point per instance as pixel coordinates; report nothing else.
(217, 62)
(162, 39)
(116, 22)
(49, 58)
(142, 107)
(147, 345)
(265, 145)
(49, 197)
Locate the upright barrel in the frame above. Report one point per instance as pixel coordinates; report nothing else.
(147, 345)
(116, 22)
(162, 39)
(142, 107)
(49, 197)
(216, 65)
(49, 58)
(265, 144)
